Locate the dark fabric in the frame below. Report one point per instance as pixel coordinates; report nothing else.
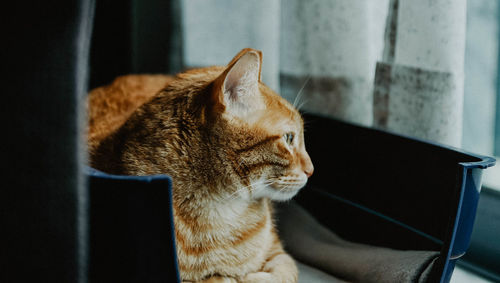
(44, 46)
(312, 243)
(157, 37)
(135, 37)
(111, 48)
(311, 274)
(132, 229)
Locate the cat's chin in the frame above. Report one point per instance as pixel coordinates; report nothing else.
(277, 195)
(284, 196)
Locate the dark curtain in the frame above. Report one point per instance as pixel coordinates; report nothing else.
(111, 49)
(44, 66)
(48, 66)
(135, 37)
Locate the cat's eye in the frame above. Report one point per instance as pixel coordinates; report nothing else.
(289, 138)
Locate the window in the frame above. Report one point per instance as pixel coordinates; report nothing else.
(481, 130)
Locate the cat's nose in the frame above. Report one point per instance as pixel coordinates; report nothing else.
(307, 165)
(309, 171)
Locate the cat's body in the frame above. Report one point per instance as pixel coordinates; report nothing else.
(110, 106)
(230, 144)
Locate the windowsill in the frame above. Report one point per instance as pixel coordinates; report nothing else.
(461, 275)
(491, 177)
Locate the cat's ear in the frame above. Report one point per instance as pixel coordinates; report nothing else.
(238, 85)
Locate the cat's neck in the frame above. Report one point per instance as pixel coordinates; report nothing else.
(228, 211)
(221, 210)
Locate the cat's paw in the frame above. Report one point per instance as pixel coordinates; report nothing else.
(219, 279)
(256, 277)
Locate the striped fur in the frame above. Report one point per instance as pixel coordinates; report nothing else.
(226, 139)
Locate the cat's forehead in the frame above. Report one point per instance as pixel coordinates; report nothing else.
(279, 113)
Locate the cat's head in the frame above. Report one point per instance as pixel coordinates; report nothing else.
(264, 132)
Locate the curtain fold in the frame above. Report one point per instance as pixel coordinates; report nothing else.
(333, 46)
(419, 86)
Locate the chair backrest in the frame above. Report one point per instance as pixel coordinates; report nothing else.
(131, 229)
(399, 192)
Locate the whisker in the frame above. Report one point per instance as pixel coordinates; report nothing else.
(266, 183)
(243, 188)
(289, 182)
(297, 97)
(241, 163)
(279, 191)
(234, 194)
(302, 105)
(259, 188)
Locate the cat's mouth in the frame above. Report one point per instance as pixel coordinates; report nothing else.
(282, 189)
(288, 186)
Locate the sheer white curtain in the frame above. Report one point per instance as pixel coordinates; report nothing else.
(393, 64)
(333, 46)
(216, 30)
(419, 84)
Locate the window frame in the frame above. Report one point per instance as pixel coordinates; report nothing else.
(483, 255)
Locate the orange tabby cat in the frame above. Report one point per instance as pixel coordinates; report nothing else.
(231, 145)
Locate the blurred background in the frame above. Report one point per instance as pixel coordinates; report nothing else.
(427, 69)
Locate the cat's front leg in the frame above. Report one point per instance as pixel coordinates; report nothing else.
(258, 277)
(279, 267)
(215, 279)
